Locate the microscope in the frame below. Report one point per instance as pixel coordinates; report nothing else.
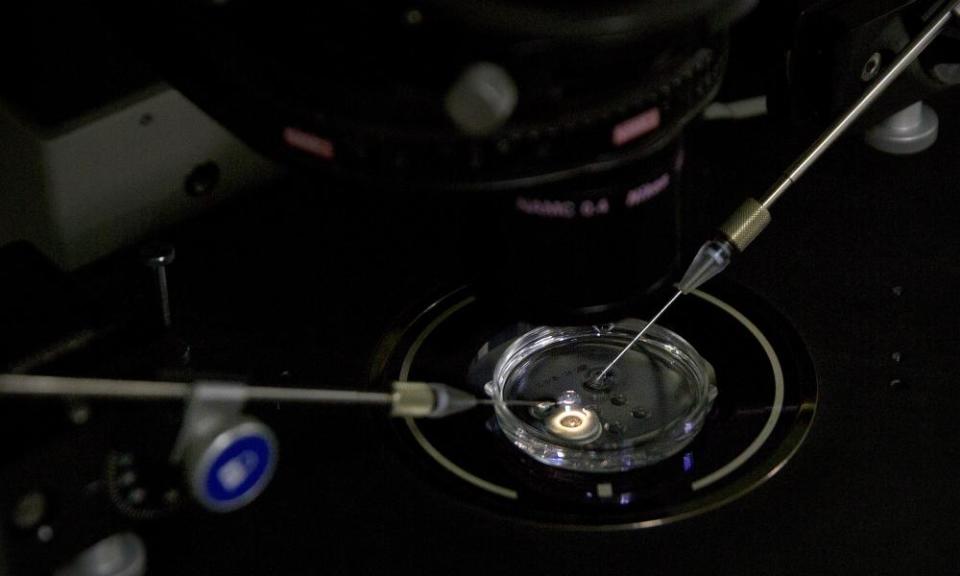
(519, 180)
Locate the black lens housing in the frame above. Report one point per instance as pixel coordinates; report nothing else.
(581, 171)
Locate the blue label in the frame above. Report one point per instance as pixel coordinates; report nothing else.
(238, 469)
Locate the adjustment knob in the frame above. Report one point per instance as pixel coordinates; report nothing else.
(482, 99)
(230, 466)
(909, 131)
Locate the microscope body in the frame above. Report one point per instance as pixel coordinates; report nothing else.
(549, 139)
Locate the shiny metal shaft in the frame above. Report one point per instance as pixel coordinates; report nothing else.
(830, 135)
(60, 386)
(27, 385)
(164, 297)
(639, 335)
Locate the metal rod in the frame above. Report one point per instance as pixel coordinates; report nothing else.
(829, 136)
(60, 386)
(638, 336)
(26, 385)
(319, 395)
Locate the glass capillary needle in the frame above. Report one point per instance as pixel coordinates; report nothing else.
(638, 336)
(753, 216)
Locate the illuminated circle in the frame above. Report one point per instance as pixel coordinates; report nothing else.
(574, 424)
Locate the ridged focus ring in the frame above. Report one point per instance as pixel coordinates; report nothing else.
(744, 225)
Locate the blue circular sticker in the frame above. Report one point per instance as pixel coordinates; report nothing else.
(238, 469)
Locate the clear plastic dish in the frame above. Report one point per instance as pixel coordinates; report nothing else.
(649, 406)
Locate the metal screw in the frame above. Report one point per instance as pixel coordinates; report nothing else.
(158, 257)
(79, 413)
(45, 533)
(137, 496)
(413, 17)
(872, 67)
(202, 180)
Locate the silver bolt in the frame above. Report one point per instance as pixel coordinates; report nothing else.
(45, 533)
(158, 258)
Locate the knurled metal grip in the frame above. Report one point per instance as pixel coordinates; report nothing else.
(745, 224)
(412, 399)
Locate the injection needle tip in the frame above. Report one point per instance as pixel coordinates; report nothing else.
(636, 338)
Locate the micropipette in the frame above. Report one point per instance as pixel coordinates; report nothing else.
(753, 216)
(407, 399)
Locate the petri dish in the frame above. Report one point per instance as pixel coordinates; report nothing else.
(649, 406)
